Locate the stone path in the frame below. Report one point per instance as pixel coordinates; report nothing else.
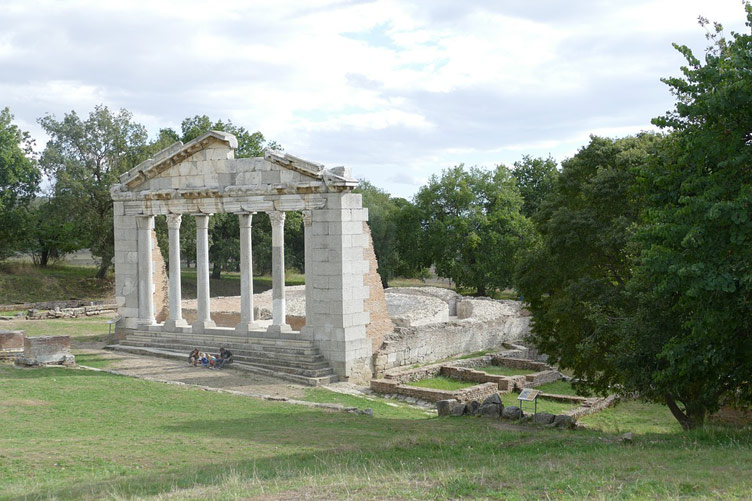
(161, 369)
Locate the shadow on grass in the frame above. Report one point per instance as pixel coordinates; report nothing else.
(411, 453)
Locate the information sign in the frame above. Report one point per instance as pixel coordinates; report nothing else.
(528, 395)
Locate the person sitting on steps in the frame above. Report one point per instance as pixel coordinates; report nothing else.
(225, 357)
(194, 357)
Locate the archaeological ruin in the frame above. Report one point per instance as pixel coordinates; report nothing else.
(341, 325)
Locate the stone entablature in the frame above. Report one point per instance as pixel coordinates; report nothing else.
(202, 178)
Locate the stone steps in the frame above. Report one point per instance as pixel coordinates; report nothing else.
(212, 347)
(286, 356)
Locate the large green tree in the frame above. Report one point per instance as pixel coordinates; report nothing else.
(535, 179)
(575, 279)
(469, 225)
(19, 180)
(85, 158)
(693, 281)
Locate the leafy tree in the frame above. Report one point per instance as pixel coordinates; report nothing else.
(471, 227)
(382, 219)
(52, 230)
(19, 179)
(85, 158)
(535, 179)
(693, 282)
(574, 280)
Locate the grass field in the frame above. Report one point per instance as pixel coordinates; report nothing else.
(505, 371)
(25, 283)
(76, 434)
(442, 383)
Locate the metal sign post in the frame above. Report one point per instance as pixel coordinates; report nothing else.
(529, 395)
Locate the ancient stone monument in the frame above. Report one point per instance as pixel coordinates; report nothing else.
(46, 350)
(202, 178)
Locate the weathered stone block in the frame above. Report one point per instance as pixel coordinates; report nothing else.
(543, 418)
(43, 350)
(11, 343)
(564, 421)
(512, 412)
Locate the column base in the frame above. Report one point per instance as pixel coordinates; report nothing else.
(278, 329)
(173, 324)
(145, 324)
(244, 328)
(201, 325)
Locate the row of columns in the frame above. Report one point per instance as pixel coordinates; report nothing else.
(145, 226)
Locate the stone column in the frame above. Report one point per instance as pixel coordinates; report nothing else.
(203, 316)
(307, 221)
(277, 219)
(246, 275)
(176, 309)
(145, 225)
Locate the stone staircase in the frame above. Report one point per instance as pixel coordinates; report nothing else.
(289, 356)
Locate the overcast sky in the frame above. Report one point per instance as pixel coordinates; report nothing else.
(395, 90)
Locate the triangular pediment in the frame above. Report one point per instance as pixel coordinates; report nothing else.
(207, 167)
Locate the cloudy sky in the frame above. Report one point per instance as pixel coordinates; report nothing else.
(396, 90)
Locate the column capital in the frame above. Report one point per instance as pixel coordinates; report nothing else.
(277, 216)
(173, 221)
(307, 217)
(245, 219)
(202, 220)
(145, 222)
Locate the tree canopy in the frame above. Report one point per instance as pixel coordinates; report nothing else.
(19, 180)
(468, 224)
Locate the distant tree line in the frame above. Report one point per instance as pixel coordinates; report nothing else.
(634, 256)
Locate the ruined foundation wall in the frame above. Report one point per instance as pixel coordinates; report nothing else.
(418, 345)
(161, 282)
(380, 324)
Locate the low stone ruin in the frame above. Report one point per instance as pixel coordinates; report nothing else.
(11, 344)
(492, 407)
(433, 323)
(46, 350)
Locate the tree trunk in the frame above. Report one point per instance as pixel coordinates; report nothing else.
(103, 267)
(689, 419)
(44, 258)
(216, 271)
(482, 291)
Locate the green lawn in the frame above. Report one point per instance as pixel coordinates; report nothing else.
(25, 283)
(634, 416)
(85, 329)
(76, 434)
(543, 405)
(442, 383)
(505, 371)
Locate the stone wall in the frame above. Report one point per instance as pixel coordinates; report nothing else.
(11, 343)
(161, 282)
(43, 350)
(380, 324)
(519, 363)
(392, 387)
(416, 345)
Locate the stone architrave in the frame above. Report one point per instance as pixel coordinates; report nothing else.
(279, 324)
(247, 322)
(203, 315)
(175, 318)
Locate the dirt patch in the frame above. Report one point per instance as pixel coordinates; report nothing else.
(22, 402)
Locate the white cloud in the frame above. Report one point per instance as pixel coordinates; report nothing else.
(396, 90)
